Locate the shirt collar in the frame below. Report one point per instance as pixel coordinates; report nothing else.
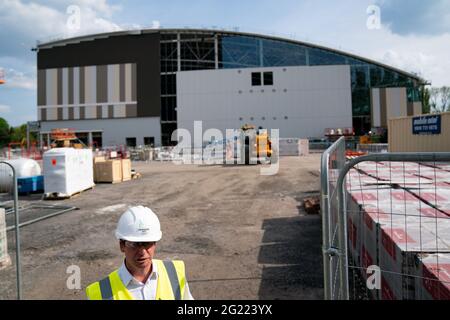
(127, 277)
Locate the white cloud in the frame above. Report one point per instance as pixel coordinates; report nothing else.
(416, 16)
(343, 26)
(427, 56)
(100, 6)
(17, 79)
(4, 108)
(40, 22)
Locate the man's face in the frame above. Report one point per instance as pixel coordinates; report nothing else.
(138, 255)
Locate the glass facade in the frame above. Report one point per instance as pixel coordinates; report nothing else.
(211, 50)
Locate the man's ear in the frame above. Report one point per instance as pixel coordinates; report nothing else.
(122, 245)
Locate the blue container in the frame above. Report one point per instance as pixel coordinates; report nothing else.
(30, 184)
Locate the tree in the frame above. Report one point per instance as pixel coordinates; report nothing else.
(4, 132)
(425, 94)
(434, 100)
(445, 98)
(19, 134)
(440, 99)
(14, 134)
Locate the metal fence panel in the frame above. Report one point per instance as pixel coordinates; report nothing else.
(9, 193)
(394, 227)
(13, 216)
(386, 223)
(332, 162)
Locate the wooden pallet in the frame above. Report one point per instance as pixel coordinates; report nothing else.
(59, 196)
(108, 182)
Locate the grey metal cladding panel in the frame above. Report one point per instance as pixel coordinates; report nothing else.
(99, 112)
(82, 91)
(131, 111)
(102, 83)
(43, 114)
(60, 114)
(59, 86)
(82, 113)
(41, 79)
(71, 85)
(122, 82)
(71, 116)
(111, 111)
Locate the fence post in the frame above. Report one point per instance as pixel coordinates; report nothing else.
(325, 227)
(17, 235)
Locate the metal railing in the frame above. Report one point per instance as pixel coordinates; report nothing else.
(404, 198)
(332, 161)
(14, 191)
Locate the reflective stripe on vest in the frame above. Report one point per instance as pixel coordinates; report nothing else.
(170, 285)
(173, 278)
(105, 289)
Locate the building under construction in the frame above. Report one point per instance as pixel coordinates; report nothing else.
(136, 87)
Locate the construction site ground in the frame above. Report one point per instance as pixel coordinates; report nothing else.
(242, 235)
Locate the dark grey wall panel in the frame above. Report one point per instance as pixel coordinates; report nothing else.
(99, 112)
(110, 111)
(42, 88)
(140, 49)
(70, 82)
(122, 82)
(82, 112)
(131, 111)
(82, 80)
(102, 83)
(59, 86)
(71, 116)
(43, 114)
(59, 114)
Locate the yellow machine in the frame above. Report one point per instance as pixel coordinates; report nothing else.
(365, 139)
(255, 144)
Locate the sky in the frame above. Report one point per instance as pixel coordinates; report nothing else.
(411, 35)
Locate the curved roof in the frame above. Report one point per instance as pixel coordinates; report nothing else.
(91, 37)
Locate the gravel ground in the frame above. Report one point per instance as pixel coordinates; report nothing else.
(242, 235)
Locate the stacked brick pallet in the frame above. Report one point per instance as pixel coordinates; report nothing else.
(399, 220)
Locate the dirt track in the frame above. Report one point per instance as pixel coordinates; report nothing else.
(242, 235)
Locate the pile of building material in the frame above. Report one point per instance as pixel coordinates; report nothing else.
(399, 220)
(164, 154)
(142, 154)
(293, 147)
(312, 205)
(67, 171)
(112, 170)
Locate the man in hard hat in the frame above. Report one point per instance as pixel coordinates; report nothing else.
(141, 277)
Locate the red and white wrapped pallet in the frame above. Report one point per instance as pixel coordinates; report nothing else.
(433, 277)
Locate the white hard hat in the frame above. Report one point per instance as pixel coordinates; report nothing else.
(139, 224)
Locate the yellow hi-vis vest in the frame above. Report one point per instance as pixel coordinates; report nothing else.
(170, 285)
